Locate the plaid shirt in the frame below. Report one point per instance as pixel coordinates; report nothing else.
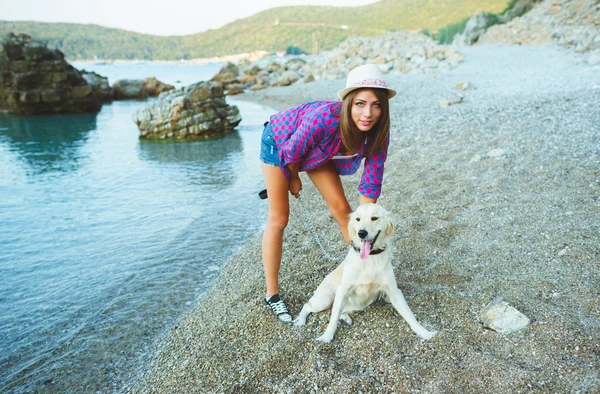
(306, 135)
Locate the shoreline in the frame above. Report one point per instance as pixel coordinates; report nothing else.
(251, 56)
(495, 196)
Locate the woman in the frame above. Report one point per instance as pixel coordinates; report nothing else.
(325, 139)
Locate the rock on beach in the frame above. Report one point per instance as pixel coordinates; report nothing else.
(38, 80)
(197, 111)
(573, 24)
(395, 53)
(499, 316)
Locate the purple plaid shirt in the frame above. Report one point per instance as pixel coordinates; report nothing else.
(306, 135)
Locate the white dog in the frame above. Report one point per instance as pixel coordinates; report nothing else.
(365, 275)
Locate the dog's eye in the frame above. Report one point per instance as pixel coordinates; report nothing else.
(358, 219)
(374, 218)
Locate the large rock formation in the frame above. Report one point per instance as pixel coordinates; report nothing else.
(197, 111)
(574, 24)
(37, 80)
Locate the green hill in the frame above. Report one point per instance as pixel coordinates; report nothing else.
(310, 28)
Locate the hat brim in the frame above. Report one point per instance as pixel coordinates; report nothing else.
(344, 92)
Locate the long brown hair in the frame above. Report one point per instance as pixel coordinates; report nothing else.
(377, 136)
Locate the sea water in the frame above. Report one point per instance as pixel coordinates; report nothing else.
(105, 239)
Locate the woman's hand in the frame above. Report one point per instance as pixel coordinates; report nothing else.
(295, 186)
(366, 200)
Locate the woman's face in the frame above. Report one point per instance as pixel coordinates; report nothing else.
(366, 109)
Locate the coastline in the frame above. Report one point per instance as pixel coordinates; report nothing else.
(495, 196)
(250, 56)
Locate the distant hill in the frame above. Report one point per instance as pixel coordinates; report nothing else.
(310, 28)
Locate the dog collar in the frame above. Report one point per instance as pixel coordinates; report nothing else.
(376, 251)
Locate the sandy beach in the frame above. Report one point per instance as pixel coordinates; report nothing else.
(498, 195)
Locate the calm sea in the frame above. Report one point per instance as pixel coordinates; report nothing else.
(105, 239)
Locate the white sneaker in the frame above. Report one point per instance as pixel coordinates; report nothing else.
(278, 307)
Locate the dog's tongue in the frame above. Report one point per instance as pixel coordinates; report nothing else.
(365, 250)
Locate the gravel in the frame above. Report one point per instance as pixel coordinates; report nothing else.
(495, 196)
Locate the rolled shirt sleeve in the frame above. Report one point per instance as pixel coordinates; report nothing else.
(372, 176)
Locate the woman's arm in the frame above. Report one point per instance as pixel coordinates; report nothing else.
(372, 177)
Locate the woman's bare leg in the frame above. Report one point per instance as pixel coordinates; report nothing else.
(279, 213)
(328, 182)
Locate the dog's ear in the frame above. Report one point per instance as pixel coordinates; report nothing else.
(389, 229)
(351, 229)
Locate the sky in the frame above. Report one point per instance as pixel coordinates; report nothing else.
(163, 17)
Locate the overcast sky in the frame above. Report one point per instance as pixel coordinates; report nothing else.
(174, 17)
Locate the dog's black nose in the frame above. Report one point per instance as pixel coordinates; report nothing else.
(362, 234)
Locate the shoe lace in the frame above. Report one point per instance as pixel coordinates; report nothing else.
(279, 307)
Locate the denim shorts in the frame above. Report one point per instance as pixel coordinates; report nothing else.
(268, 149)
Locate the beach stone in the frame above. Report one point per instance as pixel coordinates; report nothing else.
(154, 87)
(496, 153)
(464, 86)
(227, 74)
(457, 99)
(475, 159)
(235, 88)
(37, 80)
(197, 111)
(285, 79)
(126, 89)
(499, 316)
(295, 64)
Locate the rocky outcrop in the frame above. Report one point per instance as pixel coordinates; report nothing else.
(475, 27)
(139, 89)
(197, 111)
(573, 24)
(478, 24)
(37, 80)
(521, 7)
(154, 87)
(128, 89)
(395, 53)
(99, 84)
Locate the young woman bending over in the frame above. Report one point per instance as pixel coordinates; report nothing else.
(325, 139)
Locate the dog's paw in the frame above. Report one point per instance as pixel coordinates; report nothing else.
(299, 322)
(346, 319)
(325, 338)
(427, 334)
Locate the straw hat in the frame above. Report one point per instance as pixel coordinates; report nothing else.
(365, 76)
